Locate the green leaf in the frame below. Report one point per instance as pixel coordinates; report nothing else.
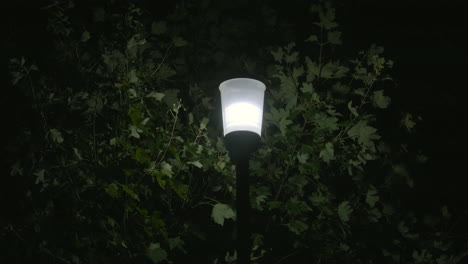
(297, 227)
(56, 136)
(327, 71)
(380, 100)
(313, 69)
(130, 192)
(156, 253)
(312, 38)
(156, 95)
(135, 115)
(279, 118)
(220, 212)
(327, 154)
(134, 131)
(195, 163)
(141, 156)
(158, 28)
(408, 122)
(176, 243)
(445, 213)
(85, 36)
(112, 190)
(132, 77)
(334, 37)
(325, 122)
(166, 169)
(352, 109)
(344, 211)
(179, 42)
(278, 54)
(40, 176)
(302, 157)
(372, 196)
(307, 88)
(291, 58)
(364, 134)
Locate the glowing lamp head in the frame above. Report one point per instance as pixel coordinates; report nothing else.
(242, 104)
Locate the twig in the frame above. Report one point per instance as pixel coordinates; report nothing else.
(162, 62)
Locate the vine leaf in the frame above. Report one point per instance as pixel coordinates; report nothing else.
(166, 169)
(297, 227)
(372, 196)
(56, 136)
(220, 212)
(155, 95)
(364, 134)
(156, 253)
(344, 211)
(334, 37)
(380, 100)
(328, 153)
(195, 163)
(352, 109)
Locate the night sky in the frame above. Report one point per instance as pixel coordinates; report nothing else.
(427, 40)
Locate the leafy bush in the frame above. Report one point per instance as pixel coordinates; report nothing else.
(124, 161)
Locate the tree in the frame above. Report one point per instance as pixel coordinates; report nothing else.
(124, 160)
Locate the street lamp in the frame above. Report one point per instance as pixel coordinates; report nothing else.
(242, 106)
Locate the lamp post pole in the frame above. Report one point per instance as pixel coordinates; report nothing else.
(240, 145)
(243, 211)
(242, 103)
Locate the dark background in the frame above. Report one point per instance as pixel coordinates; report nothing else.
(426, 40)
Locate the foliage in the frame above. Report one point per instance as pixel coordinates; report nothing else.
(126, 160)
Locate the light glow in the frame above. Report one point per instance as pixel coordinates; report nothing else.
(242, 103)
(243, 115)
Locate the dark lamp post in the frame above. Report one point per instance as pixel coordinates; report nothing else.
(242, 105)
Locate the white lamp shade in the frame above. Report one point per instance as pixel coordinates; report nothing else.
(242, 105)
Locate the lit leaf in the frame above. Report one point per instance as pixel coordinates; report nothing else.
(56, 136)
(445, 213)
(344, 211)
(372, 196)
(312, 38)
(291, 58)
(325, 122)
(133, 78)
(408, 122)
(195, 163)
(179, 42)
(77, 153)
(156, 253)
(297, 227)
(334, 37)
(156, 95)
(327, 154)
(130, 192)
(112, 190)
(302, 157)
(278, 54)
(141, 156)
(307, 88)
(85, 36)
(352, 109)
(364, 134)
(134, 131)
(279, 117)
(166, 169)
(220, 212)
(176, 243)
(40, 176)
(380, 100)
